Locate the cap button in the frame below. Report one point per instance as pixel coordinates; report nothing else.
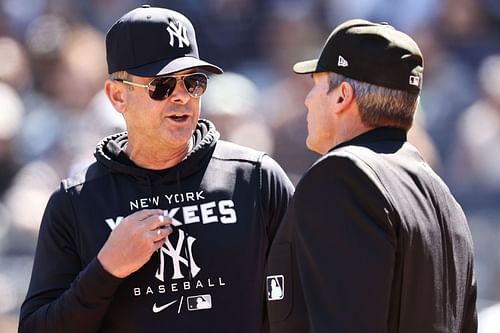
(146, 6)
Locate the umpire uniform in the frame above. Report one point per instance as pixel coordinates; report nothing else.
(373, 242)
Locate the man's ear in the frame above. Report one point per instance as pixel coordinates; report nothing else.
(116, 95)
(346, 94)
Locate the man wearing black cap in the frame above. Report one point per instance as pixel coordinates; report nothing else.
(373, 240)
(169, 229)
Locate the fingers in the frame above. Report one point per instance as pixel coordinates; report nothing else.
(153, 224)
(150, 219)
(146, 213)
(157, 245)
(157, 221)
(160, 234)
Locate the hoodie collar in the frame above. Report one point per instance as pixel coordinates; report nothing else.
(110, 153)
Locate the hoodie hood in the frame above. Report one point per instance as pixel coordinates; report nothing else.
(110, 153)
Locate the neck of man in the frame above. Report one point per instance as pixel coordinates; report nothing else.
(157, 156)
(351, 132)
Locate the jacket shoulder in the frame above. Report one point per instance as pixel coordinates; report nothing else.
(87, 174)
(360, 157)
(358, 162)
(352, 152)
(348, 157)
(225, 150)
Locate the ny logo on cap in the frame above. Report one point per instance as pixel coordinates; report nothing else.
(178, 31)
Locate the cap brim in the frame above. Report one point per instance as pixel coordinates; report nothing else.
(306, 67)
(165, 67)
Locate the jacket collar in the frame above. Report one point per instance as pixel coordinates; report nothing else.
(378, 134)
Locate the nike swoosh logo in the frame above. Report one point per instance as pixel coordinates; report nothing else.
(157, 309)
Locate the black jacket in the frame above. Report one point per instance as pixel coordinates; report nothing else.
(226, 202)
(373, 242)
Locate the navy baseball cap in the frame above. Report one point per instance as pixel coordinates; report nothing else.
(150, 41)
(371, 52)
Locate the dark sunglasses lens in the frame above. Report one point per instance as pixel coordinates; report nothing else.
(196, 84)
(162, 88)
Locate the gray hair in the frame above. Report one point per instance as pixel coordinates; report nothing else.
(121, 75)
(380, 106)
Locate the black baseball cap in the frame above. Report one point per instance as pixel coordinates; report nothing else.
(371, 52)
(150, 41)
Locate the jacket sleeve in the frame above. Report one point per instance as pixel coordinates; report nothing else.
(277, 191)
(470, 323)
(64, 296)
(344, 247)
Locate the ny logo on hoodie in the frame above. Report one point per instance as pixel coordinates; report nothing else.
(177, 259)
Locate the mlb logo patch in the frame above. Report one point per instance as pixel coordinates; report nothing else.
(275, 287)
(414, 81)
(199, 302)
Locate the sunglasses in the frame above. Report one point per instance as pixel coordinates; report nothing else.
(162, 87)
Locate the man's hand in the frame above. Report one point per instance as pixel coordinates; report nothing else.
(131, 244)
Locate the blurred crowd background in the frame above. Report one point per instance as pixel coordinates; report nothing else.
(53, 111)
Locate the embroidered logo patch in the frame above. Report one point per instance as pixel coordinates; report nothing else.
(178, 31)
(342, 62)
(275, 287)
(414, 81)
(199, 302)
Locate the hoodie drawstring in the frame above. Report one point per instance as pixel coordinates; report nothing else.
(150, 186)
(185, 246)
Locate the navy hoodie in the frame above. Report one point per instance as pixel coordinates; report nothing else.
(225, 201)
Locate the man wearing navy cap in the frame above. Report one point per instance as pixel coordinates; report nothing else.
(169, 229)
(373, 240)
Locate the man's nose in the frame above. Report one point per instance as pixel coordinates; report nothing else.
(180, 94)
(306, 100)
